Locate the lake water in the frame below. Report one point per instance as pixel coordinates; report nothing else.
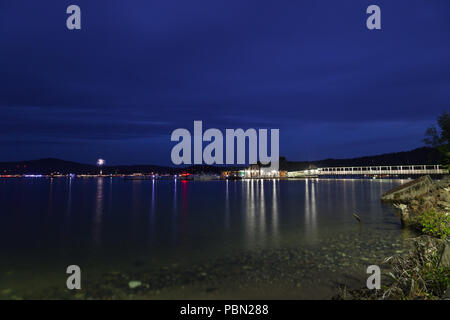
(189, 239)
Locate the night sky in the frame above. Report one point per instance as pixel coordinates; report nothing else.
(139, 69)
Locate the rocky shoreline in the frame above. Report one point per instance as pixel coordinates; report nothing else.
(434, 196)
(424, 272)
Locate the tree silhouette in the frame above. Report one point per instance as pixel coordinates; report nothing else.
(439, 137)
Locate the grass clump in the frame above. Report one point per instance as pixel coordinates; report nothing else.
(419, 275)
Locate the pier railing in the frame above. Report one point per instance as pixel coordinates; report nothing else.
(382, 170)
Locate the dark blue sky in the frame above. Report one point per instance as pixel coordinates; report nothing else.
(139, 69)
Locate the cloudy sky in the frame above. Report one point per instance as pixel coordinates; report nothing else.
(139, 69)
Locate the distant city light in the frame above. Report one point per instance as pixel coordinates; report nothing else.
(100, 162)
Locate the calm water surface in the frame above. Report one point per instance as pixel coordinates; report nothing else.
(109, 224)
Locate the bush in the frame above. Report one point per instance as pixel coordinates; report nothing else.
(435, 224)
(437, 278)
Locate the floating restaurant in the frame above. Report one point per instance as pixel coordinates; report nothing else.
(255, 171)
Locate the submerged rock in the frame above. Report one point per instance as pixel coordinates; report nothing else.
(134, 284)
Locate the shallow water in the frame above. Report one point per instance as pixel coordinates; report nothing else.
(281, 238)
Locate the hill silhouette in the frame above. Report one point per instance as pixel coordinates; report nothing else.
(423, 155)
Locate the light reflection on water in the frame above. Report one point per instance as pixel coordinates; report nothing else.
(261, 209)
(116, 221)
(274, 210)
(97, 225)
